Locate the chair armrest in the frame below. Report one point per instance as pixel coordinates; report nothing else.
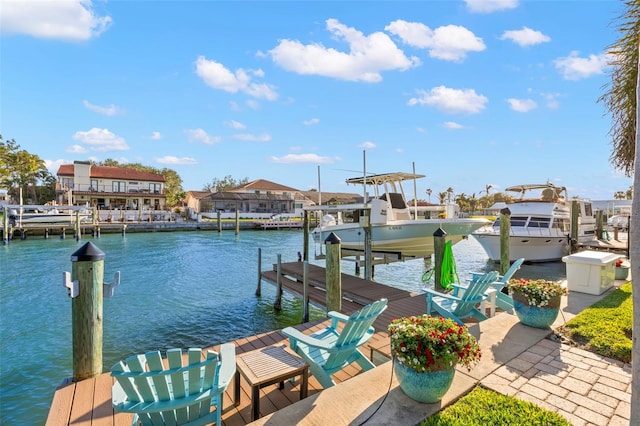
(335, 317)
(296, 336)
(228, 363)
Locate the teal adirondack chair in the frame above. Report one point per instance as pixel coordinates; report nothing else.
(330, 350)
(503, 300)
(459, 307)
(175, 395)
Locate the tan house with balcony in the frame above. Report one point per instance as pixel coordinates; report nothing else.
(110, 188)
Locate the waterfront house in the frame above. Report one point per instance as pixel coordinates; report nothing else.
(110, 188)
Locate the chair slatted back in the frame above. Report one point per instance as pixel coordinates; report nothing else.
(474, 293)
(147, 378)
(512, 270)
(358, 325)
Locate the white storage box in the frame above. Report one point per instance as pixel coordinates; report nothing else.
(591, 272)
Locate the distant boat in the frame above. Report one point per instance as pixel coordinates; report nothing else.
(26, 216)
(394, 231)
(540, 221)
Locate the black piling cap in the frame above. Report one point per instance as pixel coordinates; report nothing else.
(332, 239)
(505, 211)
(439, 233)
(87, 253)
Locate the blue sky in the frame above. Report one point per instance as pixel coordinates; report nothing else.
(473, 93)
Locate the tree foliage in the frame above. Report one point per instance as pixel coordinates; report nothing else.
(221, 185)
(620, 97)
(20, 169)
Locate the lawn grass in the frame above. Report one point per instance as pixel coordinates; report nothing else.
(485, 407)
(605, 327)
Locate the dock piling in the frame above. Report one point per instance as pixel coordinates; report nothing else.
(277, 305)
(259, 288)
(505, 230)
(333, 275)
(87, 268)
(305, 291)
(439, 241)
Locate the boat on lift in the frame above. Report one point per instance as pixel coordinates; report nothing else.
(395, 228)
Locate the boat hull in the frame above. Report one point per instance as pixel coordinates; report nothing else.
(540, 248)
(407, 239)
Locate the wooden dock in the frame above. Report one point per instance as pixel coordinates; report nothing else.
(88, 402)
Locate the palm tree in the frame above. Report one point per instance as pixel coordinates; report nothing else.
(619, 195)
(429, 191)
(442, 196)
(621, 99)
(487, 188)
(449, 194)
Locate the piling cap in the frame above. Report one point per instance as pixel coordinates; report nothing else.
(505, 211)
(439, 233)
(88, 252)
(332, 239)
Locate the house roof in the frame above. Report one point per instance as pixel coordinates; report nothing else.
(262, 185)
(111, 172)
(244, 196)
(199, 194)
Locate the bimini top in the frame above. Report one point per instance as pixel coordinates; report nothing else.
(540, 192)
(529, 187)
(383, 178)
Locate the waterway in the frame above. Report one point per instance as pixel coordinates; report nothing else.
(178, 289)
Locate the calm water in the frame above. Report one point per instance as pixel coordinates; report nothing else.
(192, 289)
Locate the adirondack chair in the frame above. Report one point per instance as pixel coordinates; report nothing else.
(458, 307)
(330, 350)
(503, 300)
(175, 395)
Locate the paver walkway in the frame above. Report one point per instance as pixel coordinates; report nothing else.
(585, 388)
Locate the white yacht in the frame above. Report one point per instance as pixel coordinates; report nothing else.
(540, 218)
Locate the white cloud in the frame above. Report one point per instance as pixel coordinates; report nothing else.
(199, 135)
(525, 37)
(71, 20)
(253, 104)
(522, 105)
(552, 100)
(101, 140)
(451, 100)
(216, 75)
(449, 43)
(367, 145)
(76, 149)
(108, 110)
(156, 136)
(311, 122)
(452, 125)
(488, 6)
(176, 161)
(253, 138)
(235, 125)
(365, 59)
(304, 158)
(421, 130)
(573, 67)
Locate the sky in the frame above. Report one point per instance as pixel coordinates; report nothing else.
(307, 94)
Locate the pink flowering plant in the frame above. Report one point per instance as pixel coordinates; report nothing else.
(426, 343)
(537, 292)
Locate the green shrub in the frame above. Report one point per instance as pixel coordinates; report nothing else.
(485, 407)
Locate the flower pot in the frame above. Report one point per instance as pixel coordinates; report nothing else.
(622, 272)
(428, 387)
(535, 316)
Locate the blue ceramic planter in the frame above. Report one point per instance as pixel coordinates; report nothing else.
(428, 387)
(534, 316)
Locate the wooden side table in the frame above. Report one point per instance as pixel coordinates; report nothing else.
(267, 366)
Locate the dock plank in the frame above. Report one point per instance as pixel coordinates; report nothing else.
(89, 402)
